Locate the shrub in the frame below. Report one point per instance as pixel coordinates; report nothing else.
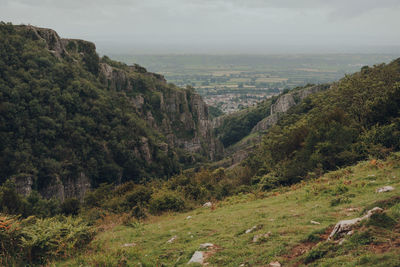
(139, 195)
(70, 206)
(166, 201)
(52, 237)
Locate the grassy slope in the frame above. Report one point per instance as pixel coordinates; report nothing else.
(286, 212)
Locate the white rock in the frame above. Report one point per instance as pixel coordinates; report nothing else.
(343, 227)
(207, 204)
(314, 222)
(189, 217)
(197, 257)
(172, 239)
(275, 264)
(387, 188)
(255, 227)
(129, 245)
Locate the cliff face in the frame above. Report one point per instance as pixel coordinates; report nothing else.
(171, 126)
(239, 151)
(181, 115)
(284, 103)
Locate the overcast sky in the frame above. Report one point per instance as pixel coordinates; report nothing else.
(217, 26)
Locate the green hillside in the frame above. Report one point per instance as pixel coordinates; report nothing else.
(285, 212)
(356, 118)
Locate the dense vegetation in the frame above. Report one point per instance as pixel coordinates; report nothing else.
(236, 126)
(58, 119)
(357, 118)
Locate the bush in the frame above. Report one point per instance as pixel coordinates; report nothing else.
(166, 201)
(70, 206)
(53, 237)
(139, 195)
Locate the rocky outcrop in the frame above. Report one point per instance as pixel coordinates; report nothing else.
(184, 121)
(70, 187)
(60, 47)
(284, 103)
(345, 226)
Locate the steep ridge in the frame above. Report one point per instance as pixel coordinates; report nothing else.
(263, 117)
(71, 120)
(284, 103)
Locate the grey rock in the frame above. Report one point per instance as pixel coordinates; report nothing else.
(197, 257)
(345, 226)
(254, 228)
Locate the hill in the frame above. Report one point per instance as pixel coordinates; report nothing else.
(296, 222)
(71, 120)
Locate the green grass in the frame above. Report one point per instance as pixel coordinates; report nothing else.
(285, 212)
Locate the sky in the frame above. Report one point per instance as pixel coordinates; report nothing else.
(217, 26)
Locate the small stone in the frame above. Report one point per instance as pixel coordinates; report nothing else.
(275, 264)
(197, 257)
(314, 222)
(352, 209)
(387, 188)
(255, 227)
(207, 204)
(172, 239)
(189, 217)
(129, 245)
